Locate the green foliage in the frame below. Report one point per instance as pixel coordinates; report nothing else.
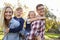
(48, 24)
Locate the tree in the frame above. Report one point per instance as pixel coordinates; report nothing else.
(50, 19)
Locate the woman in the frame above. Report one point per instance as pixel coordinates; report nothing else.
(10, 25)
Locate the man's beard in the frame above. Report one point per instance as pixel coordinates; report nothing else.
(41, 14)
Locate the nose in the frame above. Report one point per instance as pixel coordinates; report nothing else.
(8, 13)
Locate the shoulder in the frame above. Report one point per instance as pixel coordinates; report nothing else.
(13, 21)
(28, 21)
(15, 17)
(22, 19)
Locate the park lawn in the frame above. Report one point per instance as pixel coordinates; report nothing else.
(1, 36)
(51, 35)
(47, 35)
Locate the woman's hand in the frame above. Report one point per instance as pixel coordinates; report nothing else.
(7, 30)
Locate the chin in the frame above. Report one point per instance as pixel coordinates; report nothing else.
(8, 18)
(41, 14)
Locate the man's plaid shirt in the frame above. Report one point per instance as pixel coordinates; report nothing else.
(37, 28)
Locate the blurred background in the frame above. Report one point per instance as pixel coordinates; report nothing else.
(52, 10)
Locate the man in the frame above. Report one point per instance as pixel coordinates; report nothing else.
(38, 26)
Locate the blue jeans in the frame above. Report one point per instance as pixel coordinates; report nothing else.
(21, 33)
(25, 33)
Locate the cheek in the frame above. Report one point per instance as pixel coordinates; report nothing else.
(7, 16)
(31, 16)
(21, 12)
(38, 11)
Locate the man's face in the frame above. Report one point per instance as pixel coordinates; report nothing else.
(41, 11)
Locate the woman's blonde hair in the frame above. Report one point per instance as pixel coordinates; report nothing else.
(2, 16)
(30, 12)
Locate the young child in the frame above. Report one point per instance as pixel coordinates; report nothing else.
(31, 17)
(18, 17)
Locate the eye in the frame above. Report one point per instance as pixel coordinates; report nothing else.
(6, 11)
(41, 9)
(10, 11)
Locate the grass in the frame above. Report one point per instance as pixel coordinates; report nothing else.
(47, 36)
(1, 36)
(51, 35)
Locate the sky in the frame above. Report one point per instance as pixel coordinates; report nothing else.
(51, 4)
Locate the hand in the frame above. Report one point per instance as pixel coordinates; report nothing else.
(7, 30)
(42, 18)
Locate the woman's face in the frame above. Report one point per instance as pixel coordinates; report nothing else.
(8, 14)
(32, 14)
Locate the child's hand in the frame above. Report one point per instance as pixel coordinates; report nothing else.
(41, 18)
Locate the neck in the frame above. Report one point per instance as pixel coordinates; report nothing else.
(19, 16)
(41, 15)
(7, 22)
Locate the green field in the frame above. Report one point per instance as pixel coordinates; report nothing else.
(47, 36)
(51, 36)
(1, 36)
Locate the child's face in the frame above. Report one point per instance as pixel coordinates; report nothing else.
(19, 12)
(32, 14)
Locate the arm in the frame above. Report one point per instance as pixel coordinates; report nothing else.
(33, 19)
(21, 24)
(17, 29)
(14, 30)
(37, 18)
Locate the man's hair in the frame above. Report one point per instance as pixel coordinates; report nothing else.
(18, 8)
(39, 5)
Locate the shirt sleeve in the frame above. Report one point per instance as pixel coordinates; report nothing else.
(28, 21)
(14, 26)
(18, 28)
(22, 24)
